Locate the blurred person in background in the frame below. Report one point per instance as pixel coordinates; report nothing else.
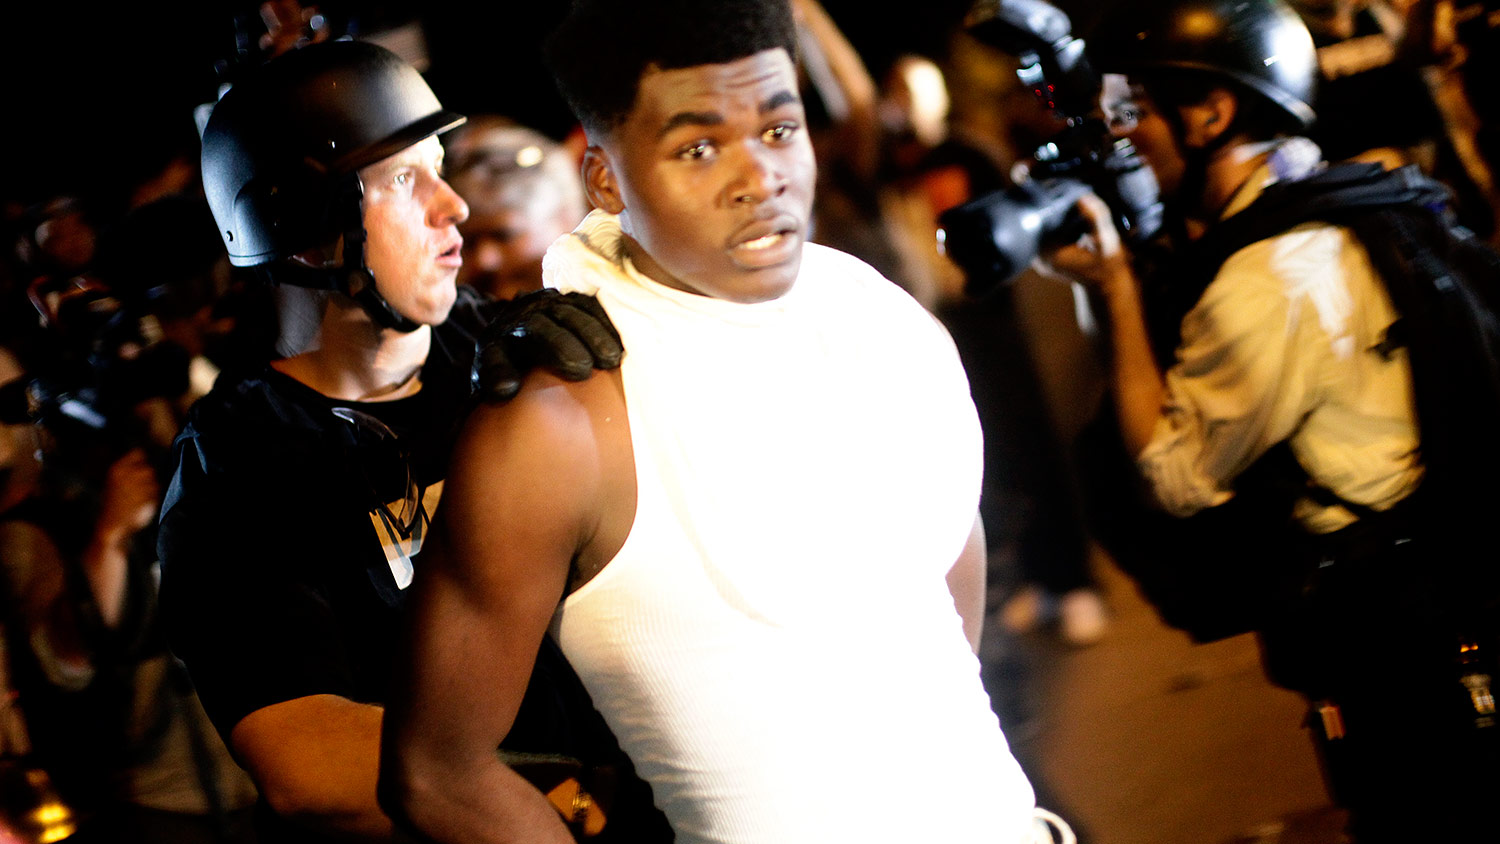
(523, 191)
(109, 712)
(1387, 92)
(1026, 357)
(843, 124)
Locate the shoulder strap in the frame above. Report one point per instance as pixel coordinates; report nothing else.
(1335, 195)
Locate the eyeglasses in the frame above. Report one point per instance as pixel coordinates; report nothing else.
(371, 432)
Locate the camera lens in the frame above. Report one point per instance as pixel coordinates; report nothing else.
(995, 237)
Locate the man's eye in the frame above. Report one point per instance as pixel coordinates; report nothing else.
(402, 178)
(781, 132)
(695, 151)
(1124, 118)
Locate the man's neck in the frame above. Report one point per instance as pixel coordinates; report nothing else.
(354, 359)
(1228, 171)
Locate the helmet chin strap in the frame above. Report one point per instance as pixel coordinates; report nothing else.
(359, 284)
(351, 277)
(356, 280)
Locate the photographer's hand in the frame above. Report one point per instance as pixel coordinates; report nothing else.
(129, 504)
(1099, 260)
(566, 333)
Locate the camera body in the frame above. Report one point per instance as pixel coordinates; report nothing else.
(105, 355)
(996, 236)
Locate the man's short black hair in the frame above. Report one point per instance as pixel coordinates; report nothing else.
(600, 51)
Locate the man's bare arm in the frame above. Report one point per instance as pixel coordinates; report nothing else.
(966, 580)
(520, 503)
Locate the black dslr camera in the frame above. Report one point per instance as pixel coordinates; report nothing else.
(993, 238)
(106, 354)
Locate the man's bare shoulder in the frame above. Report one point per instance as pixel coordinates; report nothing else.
(555, 459)
(548, 412)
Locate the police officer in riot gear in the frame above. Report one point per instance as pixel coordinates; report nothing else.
(1284, 356)
(304, 487)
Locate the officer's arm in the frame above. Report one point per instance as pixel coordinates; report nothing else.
(315, 760)
(264, 650)
(518, 506)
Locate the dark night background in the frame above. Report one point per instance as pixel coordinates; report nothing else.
(98, 97)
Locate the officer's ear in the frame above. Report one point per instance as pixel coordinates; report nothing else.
(1204, 122)
(600, 181)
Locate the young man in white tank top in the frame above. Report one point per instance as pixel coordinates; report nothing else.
(766, 567)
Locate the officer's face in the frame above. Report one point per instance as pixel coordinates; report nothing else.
(714, 173)
(413, 247)
(1131, 114)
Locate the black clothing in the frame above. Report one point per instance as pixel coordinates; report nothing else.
(275, 581)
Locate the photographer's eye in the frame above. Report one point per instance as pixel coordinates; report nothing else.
(1123, 117)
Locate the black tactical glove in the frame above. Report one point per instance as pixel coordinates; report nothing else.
(566, 333)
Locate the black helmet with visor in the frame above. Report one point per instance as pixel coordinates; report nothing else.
(282, 150)
(1261, 45)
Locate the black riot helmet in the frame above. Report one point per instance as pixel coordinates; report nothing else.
(283, 147)
(1261, 45)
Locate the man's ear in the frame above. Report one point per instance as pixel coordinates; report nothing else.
(1204, 122)
(599, 181)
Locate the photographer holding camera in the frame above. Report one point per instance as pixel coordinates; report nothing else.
(1293, 360)
(110, 715)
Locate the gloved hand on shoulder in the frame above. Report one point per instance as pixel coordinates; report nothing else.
(568, 334)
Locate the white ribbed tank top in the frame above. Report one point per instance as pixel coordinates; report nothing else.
(775, 644)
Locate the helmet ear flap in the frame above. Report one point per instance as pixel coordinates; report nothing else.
(267, 208)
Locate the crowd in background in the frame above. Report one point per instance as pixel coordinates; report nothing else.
(118, 308)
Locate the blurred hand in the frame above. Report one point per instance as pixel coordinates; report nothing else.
(131, 495)
(289, 25)
(1098, 259)
(568, 334)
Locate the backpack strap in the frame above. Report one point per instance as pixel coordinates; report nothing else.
(1340, 195)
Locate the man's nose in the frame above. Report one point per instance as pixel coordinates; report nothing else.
(447, 207)
(761, 177)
